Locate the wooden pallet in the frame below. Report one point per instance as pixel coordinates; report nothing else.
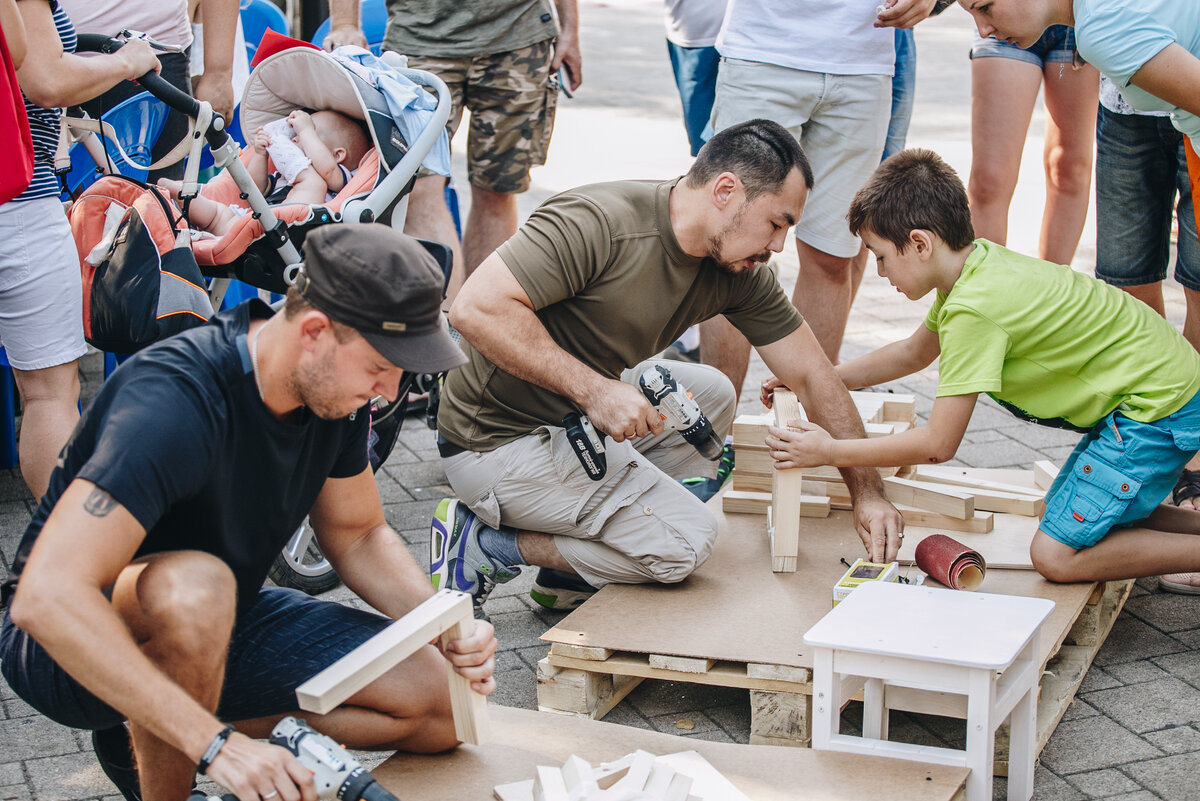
(736, 624)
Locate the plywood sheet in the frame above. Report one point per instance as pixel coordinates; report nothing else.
(733, 608)
(1005, 546)
(526, 739)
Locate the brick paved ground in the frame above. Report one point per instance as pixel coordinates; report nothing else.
(1133, 731)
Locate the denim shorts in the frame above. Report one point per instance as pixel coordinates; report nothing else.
(1057, 44)
(1118, 473)
(1141, 170)
(280, 642)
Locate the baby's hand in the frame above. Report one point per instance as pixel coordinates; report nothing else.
(300, 121)
(262, 140)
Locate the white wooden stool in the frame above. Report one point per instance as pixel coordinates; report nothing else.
(931, 640)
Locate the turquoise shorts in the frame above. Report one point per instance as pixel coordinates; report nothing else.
(1118, 473)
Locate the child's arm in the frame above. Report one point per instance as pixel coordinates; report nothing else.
(1172, 75)
(936, 442)
(257, 165)
(892, 361)
(323, 161)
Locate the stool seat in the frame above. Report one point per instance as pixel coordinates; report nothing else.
(907, 641)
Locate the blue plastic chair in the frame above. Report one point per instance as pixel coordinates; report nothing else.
(137, 123)
(374, 24)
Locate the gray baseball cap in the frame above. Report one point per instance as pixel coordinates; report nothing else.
(386, 286)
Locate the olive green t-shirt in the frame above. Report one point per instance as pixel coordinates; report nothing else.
(457, 29)
(612, 286)
(1057, 346)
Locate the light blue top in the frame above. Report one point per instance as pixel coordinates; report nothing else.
(1119, 36)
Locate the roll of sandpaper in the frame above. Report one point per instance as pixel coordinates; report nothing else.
(949, 561)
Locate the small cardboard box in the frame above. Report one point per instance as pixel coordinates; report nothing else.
(863, 571)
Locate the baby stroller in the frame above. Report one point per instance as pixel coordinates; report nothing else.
(263, 247)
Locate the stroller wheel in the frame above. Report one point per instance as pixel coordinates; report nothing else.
(302, 566)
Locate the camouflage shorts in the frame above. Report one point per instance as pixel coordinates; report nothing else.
(512, 97)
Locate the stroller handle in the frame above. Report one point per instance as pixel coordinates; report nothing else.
(158, 86)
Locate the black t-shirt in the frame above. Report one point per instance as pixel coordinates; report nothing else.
(180, 437)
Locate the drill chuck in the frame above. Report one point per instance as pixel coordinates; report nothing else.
(680, 412)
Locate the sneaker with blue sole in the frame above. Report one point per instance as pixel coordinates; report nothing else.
(456, 559)
(703, 487)
(558, 590)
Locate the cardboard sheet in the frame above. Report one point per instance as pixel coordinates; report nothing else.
(524, 739)
(734, 608)
(1005, 546)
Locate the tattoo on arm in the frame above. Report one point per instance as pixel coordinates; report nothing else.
(99, 503)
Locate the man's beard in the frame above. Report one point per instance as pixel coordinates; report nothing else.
(317, 390)
(716, 244)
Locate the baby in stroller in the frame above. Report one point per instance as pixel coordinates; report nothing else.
(310, 153)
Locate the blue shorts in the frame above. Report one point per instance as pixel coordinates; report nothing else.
(1141, 171)
(281, 641)
(1056, 45)
(1118, 473)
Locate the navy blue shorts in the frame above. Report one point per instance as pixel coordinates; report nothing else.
(281, 641)
(1056, 45)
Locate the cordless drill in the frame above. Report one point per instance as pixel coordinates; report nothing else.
(679, 412)
(336, 773)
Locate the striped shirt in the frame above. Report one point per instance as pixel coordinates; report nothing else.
(43, 124)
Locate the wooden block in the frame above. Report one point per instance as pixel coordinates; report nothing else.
(549, 785)
(957, 477)
(753, 459)
(744, 502)
(581, 693)
(447, 612)
(634, 780)
(780, 718)
(786, 494)
(1009, 503)
(799, 675)
(686, 664)
(468, 707)
(580, 651)
(870, 405)
(751, 482)
(979, 523)
(899, 408)
(579, 778)
(943, 500)
(750, 430)
(786, 408)
(879, 430)
(666, 784)
(1044, 473)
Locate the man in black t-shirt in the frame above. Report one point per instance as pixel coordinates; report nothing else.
(138, 590)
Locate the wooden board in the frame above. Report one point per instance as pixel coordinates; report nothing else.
(938, 498)
(1005, 546)
(526, 739)
(718, 612)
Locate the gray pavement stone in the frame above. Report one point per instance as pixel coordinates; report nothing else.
(1140, 795)
(10, 773)
(1131, 640)
(1172, 777)
(67, 778)
(1149, 706)
(36, 736)
(1103, 783)
(1096, 679)
(1174, 740)
(1006, 452)
(1079, 709)
(1166, 611)
(1091, 744)
(1183, 666)
(656, 698)
(15, 792)
(1189, 639)
(1136, 672)
(733, 719)
(1046, 787)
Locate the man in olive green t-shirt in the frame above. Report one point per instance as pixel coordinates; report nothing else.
(501, 60)
(597, 281)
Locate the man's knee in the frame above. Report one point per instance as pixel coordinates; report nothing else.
(693, 537)
(187, 598)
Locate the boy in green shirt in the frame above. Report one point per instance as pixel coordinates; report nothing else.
(1051, 345)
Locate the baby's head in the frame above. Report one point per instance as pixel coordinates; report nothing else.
(913, 189)
(345, 137)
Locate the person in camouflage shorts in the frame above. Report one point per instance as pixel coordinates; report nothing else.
(500, 59)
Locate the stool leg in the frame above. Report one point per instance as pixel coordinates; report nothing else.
(981, 734)
(875, 711)
(826, 709)
(1022, 747)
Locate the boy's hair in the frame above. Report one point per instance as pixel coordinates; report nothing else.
(913, 189)
(760, 153)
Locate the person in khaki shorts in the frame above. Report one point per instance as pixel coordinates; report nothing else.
(563, 317)
(500, 60)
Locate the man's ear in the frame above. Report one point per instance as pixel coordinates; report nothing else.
(312, 324)
(725, 186)
(922, 241)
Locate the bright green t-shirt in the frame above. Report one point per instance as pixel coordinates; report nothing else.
(1057, 346)
(611, 284)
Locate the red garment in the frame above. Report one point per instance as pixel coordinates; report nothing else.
(1193, 162)
(16, 145)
